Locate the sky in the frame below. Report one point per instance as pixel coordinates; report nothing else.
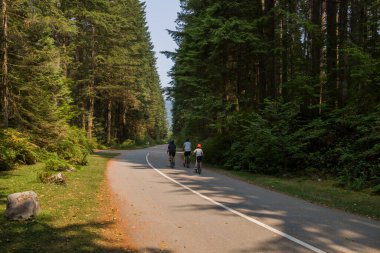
(161, 15)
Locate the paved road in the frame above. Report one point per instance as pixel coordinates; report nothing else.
(176, 210)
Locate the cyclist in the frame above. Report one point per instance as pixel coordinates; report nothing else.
(171, 151)
(198, 152)
(187, 152)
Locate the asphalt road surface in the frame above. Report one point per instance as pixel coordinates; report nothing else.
(176, 210)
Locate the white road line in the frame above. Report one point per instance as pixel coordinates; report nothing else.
(278, 232)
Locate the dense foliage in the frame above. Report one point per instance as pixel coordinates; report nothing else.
(281, 86)
(74, 72)
(16, 149)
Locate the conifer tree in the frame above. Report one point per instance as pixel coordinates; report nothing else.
(84, 63)
(280, 84)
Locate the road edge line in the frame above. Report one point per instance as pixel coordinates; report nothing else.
(278, 232)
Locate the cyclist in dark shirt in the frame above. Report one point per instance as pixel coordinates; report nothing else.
(171, 149)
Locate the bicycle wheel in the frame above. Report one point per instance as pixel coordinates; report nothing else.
(199, 169)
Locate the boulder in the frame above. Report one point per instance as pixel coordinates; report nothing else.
(22, 205)
(48, 178)
(57, 179)
(70, 169)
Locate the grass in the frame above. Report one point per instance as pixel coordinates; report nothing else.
(323, 192)
(71, 217)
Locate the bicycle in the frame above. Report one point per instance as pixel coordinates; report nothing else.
(187, 161)
(172, 161)
(199, 167)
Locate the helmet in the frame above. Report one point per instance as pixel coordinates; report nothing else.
(199, 146)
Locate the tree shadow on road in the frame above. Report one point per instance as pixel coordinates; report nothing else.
(318, 226)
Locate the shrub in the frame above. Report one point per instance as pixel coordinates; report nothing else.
(16, 148)
(343, 144)
(358, 160)
(376, 189)
(57, 165)
(250, 143)
(128, 143)
(73, 146)
(212, 148)
(261, 141)
(150, 141)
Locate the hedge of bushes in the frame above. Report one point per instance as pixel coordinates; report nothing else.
(17, 148)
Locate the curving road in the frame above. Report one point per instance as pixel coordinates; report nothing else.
(176, 210)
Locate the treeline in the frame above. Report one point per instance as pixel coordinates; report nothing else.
(72, 69)
(281, 86)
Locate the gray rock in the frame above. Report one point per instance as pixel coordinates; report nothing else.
(71, 169)
(57, 179)
(22, 205)
(48, 178)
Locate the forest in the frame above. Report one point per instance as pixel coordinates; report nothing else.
(288, 87)
(76, 74)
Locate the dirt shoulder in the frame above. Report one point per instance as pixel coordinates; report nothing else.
(115, 233)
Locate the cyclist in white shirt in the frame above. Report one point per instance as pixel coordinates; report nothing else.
(187, 151)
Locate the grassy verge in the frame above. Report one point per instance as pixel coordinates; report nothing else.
(72, 218)
(323, 192)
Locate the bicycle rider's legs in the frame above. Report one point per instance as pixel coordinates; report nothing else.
(199, 160)
(187, 156)
(172, 156)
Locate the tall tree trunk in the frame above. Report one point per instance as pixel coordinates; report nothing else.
(4, 78)
(230, 80)
(342, 69)
(65, 63)
(109, 120)
(83, 117)
(322, 84)
(91, 87)
(355, 36)
(354, 22)
(316, 47)
(375, 31)
(363, 23)
(331, 54)
(124, 117)
(285, 50)
(90, 119)
(271, 40)
(262, 87)
(261, 67)
(294, 43)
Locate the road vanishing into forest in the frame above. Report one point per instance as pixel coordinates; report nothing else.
(176, 210)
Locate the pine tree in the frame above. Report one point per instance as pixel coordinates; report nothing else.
(279, 83)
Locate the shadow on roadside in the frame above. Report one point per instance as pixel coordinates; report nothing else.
(38, 236)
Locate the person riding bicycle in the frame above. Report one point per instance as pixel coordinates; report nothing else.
(171, 149)
(187, 151)
(198, 152)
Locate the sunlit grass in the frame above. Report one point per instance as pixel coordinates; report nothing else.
(70, 218)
